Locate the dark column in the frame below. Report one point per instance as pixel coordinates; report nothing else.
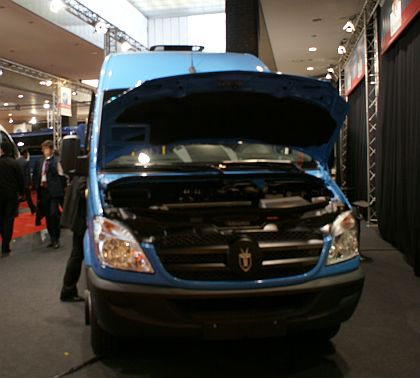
(242, 26)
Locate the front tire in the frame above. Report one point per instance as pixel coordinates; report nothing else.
(324, 334)
(103, 343)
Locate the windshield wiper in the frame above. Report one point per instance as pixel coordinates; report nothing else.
(282, 165)
(174, 167)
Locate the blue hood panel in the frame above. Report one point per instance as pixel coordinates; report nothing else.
(278, 109)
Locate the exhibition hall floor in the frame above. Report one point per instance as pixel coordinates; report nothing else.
(43, 337)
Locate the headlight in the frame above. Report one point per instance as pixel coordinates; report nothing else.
(117, 248)
(345, 243)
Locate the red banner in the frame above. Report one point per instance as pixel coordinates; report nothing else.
(396, 15)
(354, 70)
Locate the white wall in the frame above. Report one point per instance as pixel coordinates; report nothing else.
(207, 30)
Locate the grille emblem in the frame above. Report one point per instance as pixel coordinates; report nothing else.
(245, 259)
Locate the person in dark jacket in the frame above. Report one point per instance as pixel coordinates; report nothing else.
(48, 180)
(24, 162)
(74, 217)
(11, 186)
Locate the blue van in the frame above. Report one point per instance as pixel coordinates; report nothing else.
(32, 141)
(211, 210)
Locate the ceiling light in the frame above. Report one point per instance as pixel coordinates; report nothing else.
(56, 6)
(330, 70)
(46, 106)
(42, 82)
(349, 27)
(328, 76)
(125, 46)
(20, 95)
(48, 83)
(33, 111)
(1, 72)
(74, 93)
(11, 120)
(101, 27)
(341, 50)
(10, 114)
(310, 68)
(46, 101)
(32, 121)
(312, 49)
(143, 158)
(6, 104)
(20, 144)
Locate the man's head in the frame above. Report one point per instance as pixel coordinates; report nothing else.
(6, 149)
(47, 148)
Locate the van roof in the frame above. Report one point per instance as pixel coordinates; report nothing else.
(127, 70)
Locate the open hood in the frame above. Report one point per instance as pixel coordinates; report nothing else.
(264, 107)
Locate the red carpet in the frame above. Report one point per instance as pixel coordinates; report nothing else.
(25, 225)
(25, 221)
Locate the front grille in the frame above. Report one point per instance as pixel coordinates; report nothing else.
(213, 238)
(205, 257)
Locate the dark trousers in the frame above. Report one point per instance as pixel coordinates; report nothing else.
(8, 209)
(28, 197)
(73, 268)
(51, 209)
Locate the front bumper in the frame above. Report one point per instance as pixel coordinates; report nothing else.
(130, 310)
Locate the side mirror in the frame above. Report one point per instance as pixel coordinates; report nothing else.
(70, 150)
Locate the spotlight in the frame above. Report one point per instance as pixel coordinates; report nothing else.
(349, 27)
(56, 6)
(48, 83)
(330, 70)
(328, 76)
(42, 82)
(74, 93)
(20, 95)
(6, 104)
(10, 120)
(312, 49)
(341, 50)
(310, 68)
(46, 106)
(101, 27)
(1, 72)
(32, 121)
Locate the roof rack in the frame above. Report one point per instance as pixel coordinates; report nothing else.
(176, 48)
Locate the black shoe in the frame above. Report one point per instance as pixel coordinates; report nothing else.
(50, 245)
(73, 298)
(6, 253)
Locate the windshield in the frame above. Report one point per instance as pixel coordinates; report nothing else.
(203, 153)
(207, 128)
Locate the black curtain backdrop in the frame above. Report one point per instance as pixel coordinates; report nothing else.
(357, 145)
(398, 148)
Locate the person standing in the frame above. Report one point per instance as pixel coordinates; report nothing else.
(24, 162)
(48, 178)
(74, 217)
(11, 186)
